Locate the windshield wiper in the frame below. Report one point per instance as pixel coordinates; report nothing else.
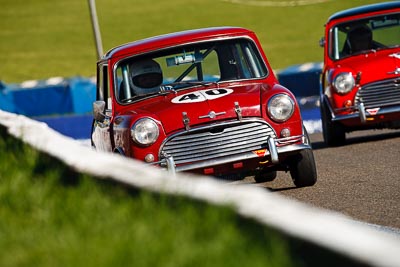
(169, 88)
(166, 89)
(176, 84)
(138, 97)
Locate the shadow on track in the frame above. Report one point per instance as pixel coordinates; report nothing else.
(361, 137)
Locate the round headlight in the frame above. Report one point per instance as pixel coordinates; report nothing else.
(280, 107)
(343, 83)
(145, 131)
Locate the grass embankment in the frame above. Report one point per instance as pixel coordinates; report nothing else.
(52, 216)
(42, 38)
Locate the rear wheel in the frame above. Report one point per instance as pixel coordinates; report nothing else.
(333, 132)
(302, 168)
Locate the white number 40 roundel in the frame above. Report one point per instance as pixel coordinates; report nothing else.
(201, 96)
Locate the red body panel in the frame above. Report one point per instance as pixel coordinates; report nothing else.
(367, 68)
(212, 106)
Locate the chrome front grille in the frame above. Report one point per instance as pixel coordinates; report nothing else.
(379, 94)
(217, 141)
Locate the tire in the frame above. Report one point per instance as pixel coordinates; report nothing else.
(265, 176)
(334, 133)
(303, 169)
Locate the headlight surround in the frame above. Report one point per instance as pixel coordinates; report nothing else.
(280, 107)
(344, 83)
(145, 132)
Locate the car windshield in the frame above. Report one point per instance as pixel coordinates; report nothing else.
(187, 66)
(358, 36)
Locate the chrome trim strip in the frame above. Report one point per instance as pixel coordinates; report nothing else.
(396, 71)
(379, 93)
(218, 141)
(238, 111)
(171, 167)
(200, 128)
(273, 146)
(186, 121)
(212, 114)
(382, 111)
(244, 156)
(361, 110)
(273, 151)
(290, 139)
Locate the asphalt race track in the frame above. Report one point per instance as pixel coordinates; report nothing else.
(360, 179)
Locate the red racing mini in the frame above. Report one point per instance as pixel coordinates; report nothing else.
(204, 101)
(360, 84)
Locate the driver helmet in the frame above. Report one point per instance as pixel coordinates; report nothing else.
(146, 76)
(360, 38)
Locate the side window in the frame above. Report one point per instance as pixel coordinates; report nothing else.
(100, 83)
(103, 90)
(341, 43)
(241, 60)
(119, 85)
(338, 45)
(250, 62)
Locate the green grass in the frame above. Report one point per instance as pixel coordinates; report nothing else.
(44, 38)
(52, 216)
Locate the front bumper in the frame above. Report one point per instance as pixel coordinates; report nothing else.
(364, 114)
(276, 147)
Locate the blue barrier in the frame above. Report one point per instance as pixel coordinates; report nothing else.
(66, 104)
(6, 99)
(83, 94)
(54, 96)
(48, 100)
(302, 79)
(75, 126)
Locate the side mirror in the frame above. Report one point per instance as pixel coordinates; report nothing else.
(322, 42)
(98, 110)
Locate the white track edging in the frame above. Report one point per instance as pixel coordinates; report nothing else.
(328, 229)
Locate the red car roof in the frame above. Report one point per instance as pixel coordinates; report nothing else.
(177, 38)
(365, 9)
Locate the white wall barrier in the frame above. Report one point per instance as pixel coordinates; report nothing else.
(328, 229)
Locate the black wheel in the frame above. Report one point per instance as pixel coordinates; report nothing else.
(302, 168)
(334, 133)
(265, 176)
